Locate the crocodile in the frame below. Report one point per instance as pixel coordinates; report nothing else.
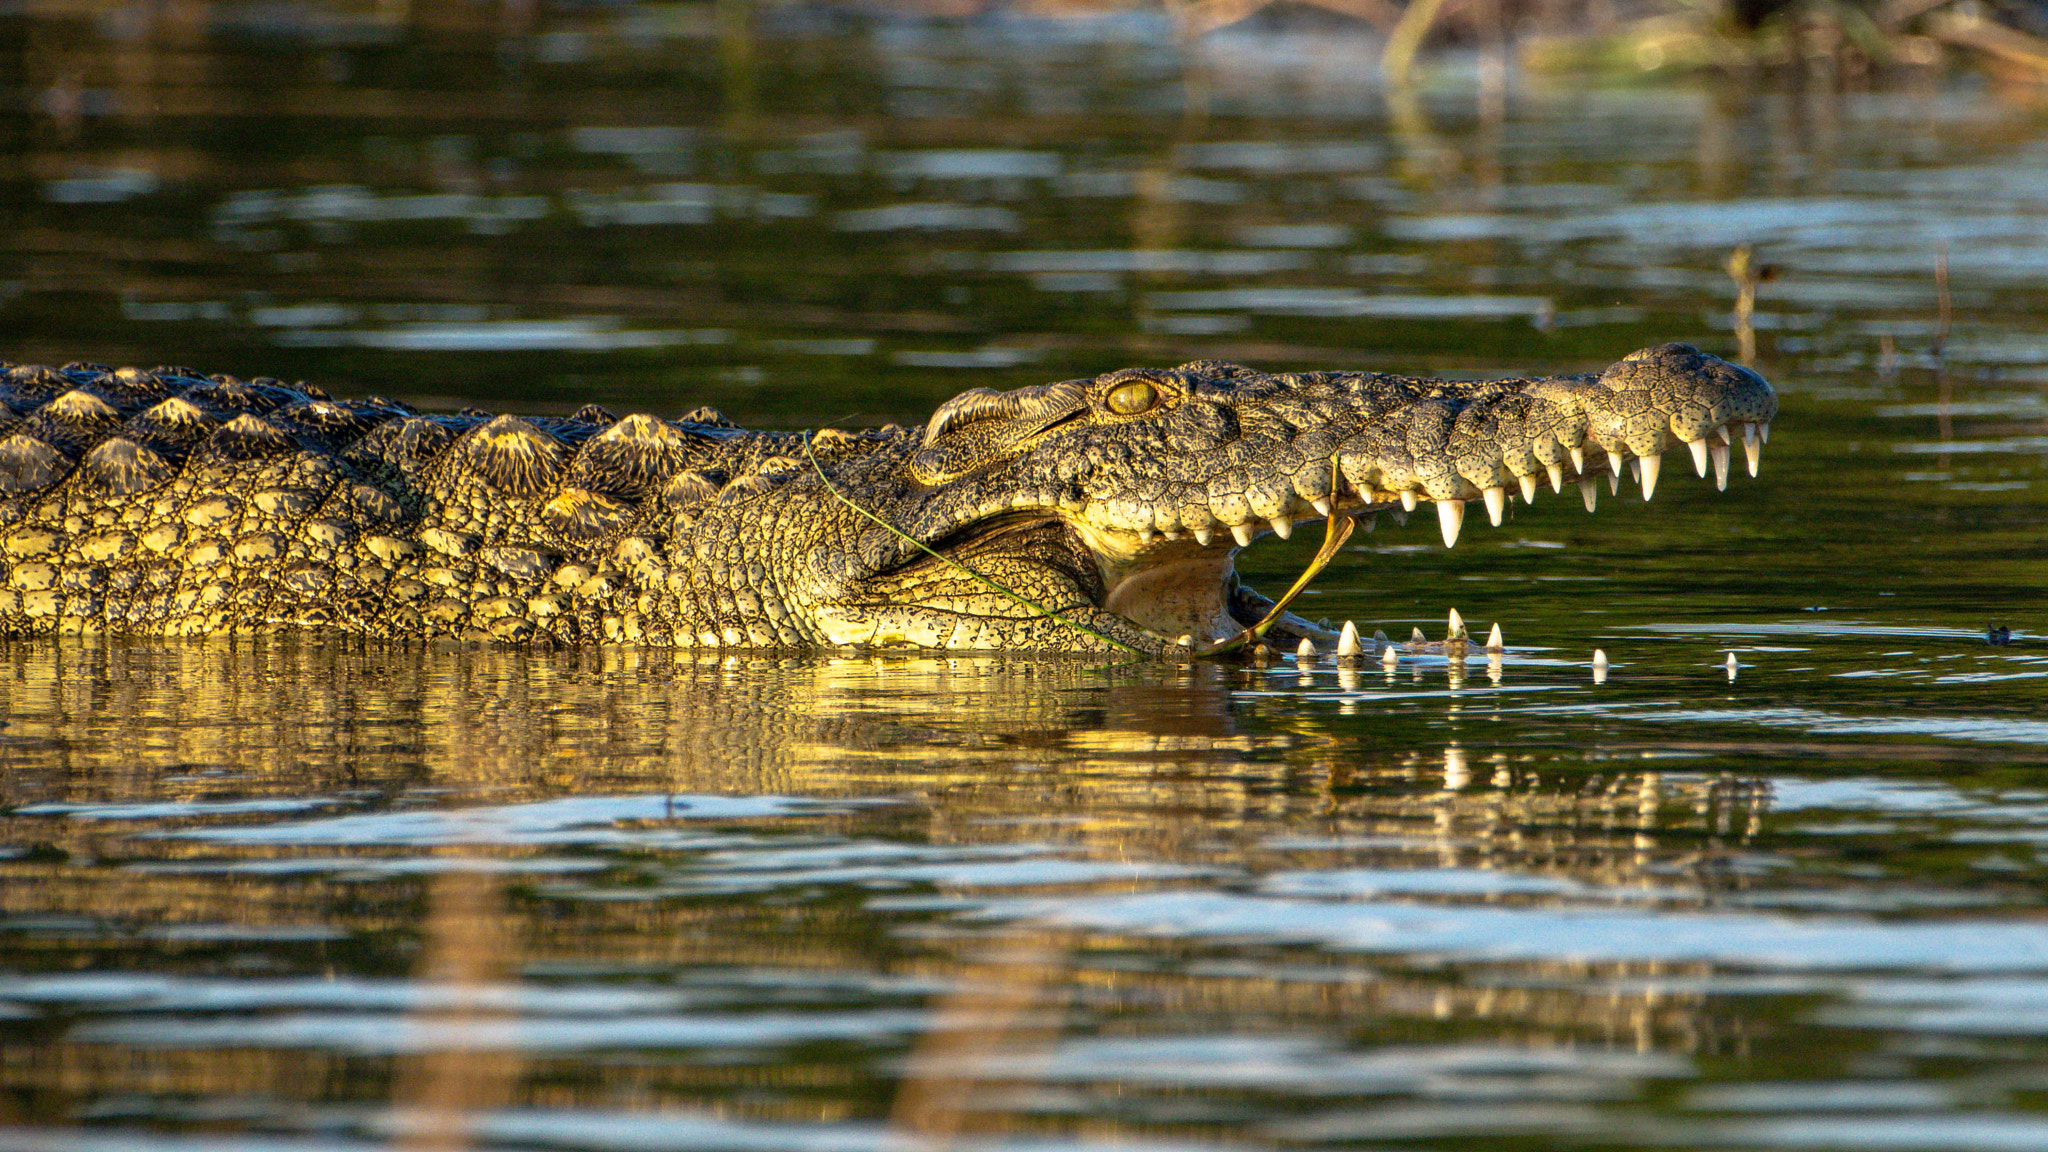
(1092, 515)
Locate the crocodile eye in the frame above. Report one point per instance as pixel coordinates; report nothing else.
(1133, 398)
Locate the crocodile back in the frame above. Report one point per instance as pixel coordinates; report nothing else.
(167, 502)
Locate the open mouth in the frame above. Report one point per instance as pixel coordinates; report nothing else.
(1176, 578)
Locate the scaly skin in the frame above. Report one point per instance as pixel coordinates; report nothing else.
(162, 503)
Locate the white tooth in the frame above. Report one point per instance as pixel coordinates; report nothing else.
(1450, 516)
(1202, 536)
(1725, 437)
(1379, 639)
(1751, 448)
(1390, 656)
(1578, 459)
(1614, 463)
(1408, 501)
(1589, 491)
(1283, 527)
(1323, 505)
(1719, 452)
(1614, 483)
(1599, 666)
(1496, 503)
(1652, 465)
(1347, 641)
(1370, 522)
(1306, 653)
(1699, 456)
(1243, 533)
(1528, 488)
(1145, 534)
(1455, 629)
(1171, 533)
(1187, 640)
(1557, 478)
(1493, 640)
(1764, 430)
(1416, 639)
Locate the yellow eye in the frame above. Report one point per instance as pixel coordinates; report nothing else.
(1133, 398)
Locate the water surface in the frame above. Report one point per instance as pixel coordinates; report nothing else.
(294, 894)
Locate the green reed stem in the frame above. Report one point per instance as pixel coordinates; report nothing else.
(1336, 530)
(956, 566)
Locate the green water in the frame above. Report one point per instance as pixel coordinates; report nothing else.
(292, 894)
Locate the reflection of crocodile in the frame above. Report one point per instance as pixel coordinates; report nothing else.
(160, 502)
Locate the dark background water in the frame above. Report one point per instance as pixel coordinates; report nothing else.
(301, 895)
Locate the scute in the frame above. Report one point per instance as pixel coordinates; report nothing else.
(249, 437)
(231, 397)
(80, 406)
(121, 467)
(633, 458)
(581, 516)
(514, 457)
(29, 465)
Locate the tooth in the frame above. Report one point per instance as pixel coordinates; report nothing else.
(1599, 666)
(1764, 430)
(1725, 437)
(1652, 464)
(1496, 503)
(1578, 459)
(1379, 639)
(1751, 448)
(1455, 629)
(1407, 501)
(1370, 522)
(1528, 488)
(1450, 516)
(1557, 478)
(1243, 533)
(1493, 640)
(1416, 639)
(1347, 641)
(1202, 536)
(1170, 533)
(1614, 483)
(1699, 456)
(1145, 534)
(1306, 653)
(1323, 505)
(1283, 527)
(1614, 463)
(1390, 656)
(1732, 665)
(1589, 491)
(1400, 517)
(1187, 640)
(1719, 451)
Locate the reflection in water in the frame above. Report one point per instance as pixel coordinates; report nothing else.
(465, 950)
(546, 896)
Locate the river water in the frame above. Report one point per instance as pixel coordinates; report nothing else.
(291, 894)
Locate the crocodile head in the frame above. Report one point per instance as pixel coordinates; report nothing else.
(1122, 501)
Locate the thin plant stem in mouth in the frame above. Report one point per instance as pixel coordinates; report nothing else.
(1336, 530)
(963, 569)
